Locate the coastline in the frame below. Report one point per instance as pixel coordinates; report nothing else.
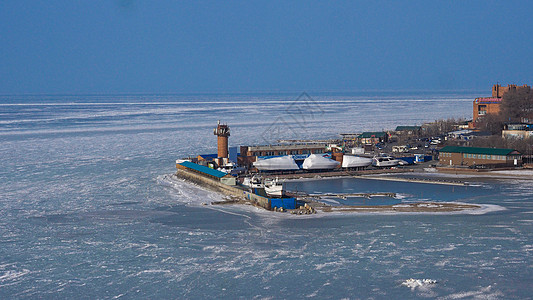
(236, 196)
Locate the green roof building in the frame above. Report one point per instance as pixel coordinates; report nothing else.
(373, 137)
(470, 156)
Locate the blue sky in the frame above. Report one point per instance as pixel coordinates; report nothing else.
(128, 46)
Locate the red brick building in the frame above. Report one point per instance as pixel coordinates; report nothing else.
(491, 105)
(484, 106)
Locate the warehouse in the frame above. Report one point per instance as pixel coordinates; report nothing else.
(473, 156)
(204, 171)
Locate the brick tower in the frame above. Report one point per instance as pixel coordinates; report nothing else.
(222, 132)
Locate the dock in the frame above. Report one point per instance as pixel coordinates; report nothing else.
(417, 180)
(341, 173)
(346, 195)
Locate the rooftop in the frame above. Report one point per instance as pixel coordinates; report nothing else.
(476, 150)
(286, 147)
(372, 134)
(203, 169)
(488, 100)
(209, 155)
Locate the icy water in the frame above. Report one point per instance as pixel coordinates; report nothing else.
(88, 209)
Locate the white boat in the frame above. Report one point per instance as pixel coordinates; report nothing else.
(253, 182)
(282, 163)
(232, 168)
(385, 161)
(272, 187)
(319, 162)
(352, 161)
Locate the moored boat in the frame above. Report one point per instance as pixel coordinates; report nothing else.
(272, 187)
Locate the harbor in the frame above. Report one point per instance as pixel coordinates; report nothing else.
(245, 178)
(266, 150)
(265, 186)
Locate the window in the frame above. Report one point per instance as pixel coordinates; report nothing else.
(482, 110)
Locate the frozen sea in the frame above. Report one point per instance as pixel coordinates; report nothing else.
(89, 210)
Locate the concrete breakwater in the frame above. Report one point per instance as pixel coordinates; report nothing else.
(211, 184)
(238, 195)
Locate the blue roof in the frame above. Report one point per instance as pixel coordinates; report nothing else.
(209, 155)
(203, 169)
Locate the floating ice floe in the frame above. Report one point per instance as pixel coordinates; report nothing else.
(418, 283)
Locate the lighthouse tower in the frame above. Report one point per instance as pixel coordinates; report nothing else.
(222, 132)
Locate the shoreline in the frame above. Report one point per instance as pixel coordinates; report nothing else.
(237, 196)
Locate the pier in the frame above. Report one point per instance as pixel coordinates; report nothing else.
(346, 195)
(417, 180)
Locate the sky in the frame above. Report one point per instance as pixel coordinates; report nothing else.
(128, 46)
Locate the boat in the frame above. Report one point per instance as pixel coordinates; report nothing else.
(319, 162)
(232, 168)
(385, 161)
(352, 161)
(272, 187)
(282, 163)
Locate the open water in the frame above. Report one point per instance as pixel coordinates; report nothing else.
(88, 208)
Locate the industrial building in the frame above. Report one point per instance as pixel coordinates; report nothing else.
(474, 156)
